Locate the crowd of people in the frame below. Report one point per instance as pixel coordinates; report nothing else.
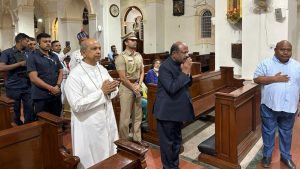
(42, 77)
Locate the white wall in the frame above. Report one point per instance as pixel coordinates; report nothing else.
(182, 28)
(262, 32)
(154, 40)
(111, 28)
(25, 22)
(225, 35)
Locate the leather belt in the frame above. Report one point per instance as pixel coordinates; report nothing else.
(133, 80)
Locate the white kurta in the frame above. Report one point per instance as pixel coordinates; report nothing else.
(76, 58)
(93, 123)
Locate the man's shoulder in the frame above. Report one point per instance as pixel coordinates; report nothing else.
(76, 52)
(119, 57)
(75, 72)
(123, 53)
(7, 51)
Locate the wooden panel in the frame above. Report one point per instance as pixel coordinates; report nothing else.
(21, 147)
(237, 127)
(244, 120)
(236, 50)
(6, 112)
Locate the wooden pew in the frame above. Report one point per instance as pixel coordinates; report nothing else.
(237, 127)
(196, 68)
(207, 61)
(6, 112)
(40, 145)
(130, 155)
(202, 91)
(35, 145)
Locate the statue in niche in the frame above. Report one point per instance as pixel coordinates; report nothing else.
(137, 26)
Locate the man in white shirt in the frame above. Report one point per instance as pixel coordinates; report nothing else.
(76, 56)
(89, 90)
(56, 49)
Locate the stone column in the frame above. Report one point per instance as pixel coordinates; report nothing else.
(25, 23)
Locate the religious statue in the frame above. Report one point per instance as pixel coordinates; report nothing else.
(137, 26)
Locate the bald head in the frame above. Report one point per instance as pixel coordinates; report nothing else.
(90, 50)
(179, 51)
(283, 51)
(283, 42)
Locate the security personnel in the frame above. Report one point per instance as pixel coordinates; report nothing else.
(46, 74)
(17, 85)
(129, 65)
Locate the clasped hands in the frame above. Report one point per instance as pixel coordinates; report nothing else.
(55, 90)
(109, 86)
(186, 66)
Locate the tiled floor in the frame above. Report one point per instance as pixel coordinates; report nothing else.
(153, 155)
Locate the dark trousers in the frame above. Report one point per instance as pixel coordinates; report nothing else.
(270, 121)
(170, 141)
(52, 105)
(24, 96)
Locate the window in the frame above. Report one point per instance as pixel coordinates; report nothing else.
(205, 30)
(206, 24)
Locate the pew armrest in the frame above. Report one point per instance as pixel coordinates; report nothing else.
(51, 119)
(6, 100)
(69, 161)
(131, 147)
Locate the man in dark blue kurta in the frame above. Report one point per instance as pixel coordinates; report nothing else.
(173, 104)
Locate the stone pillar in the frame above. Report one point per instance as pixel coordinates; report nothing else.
(68, 29)
(154, 26)
(25, 23)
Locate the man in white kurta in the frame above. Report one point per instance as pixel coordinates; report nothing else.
(93, 124)
(76, 56)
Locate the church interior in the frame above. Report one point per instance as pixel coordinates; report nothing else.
(226, 41)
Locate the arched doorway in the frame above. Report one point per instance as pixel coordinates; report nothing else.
(133, 22)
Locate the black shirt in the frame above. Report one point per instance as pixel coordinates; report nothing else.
(47, 69)
(16, 78)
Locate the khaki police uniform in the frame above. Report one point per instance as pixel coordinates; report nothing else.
(131, 63)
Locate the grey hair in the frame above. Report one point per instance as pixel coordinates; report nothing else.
(83, 47)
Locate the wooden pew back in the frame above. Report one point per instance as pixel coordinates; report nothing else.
(237, 126)
(6, 111)
(35, 145)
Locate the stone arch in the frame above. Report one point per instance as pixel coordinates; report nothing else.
(82, 3)
(128, 19)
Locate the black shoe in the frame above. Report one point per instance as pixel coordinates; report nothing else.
(266, 162)
(288, 163)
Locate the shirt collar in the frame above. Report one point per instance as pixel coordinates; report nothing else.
(41, 54)
(173, 61)
(278, 61)
(130, 53)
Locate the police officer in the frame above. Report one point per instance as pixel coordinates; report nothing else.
(129, 65)
(17, 85)
(46, 74)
